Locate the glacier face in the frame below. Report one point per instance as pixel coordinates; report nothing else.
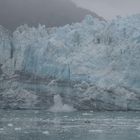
(93, 65)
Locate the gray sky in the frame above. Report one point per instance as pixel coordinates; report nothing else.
(111, 8)
(32, 12)
(60, 12)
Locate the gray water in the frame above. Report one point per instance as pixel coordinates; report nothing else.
(43, 125)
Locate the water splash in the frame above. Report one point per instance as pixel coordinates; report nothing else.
(59, 106)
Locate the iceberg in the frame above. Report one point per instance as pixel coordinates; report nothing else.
(92, 65)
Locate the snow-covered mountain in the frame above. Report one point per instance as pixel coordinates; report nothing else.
(92, 65)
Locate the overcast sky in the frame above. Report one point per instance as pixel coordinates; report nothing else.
(32, 12)
(60, 12)
(111, 8)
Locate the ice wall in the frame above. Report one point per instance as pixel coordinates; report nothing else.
(104, 54)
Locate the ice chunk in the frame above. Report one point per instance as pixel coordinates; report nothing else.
(95, 131)
(46, 132)
(18, 129)
(10, 124)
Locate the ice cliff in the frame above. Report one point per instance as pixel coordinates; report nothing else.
(92, 65)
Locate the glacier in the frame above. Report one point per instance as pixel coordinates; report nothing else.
(92, 65)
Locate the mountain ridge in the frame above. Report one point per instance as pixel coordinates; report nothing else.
(47, 12)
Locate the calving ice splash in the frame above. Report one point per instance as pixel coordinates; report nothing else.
(59, 106)
(95, 65)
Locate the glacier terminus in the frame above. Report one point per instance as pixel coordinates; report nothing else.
(92, 65)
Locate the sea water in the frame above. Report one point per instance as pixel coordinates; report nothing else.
(44, 125)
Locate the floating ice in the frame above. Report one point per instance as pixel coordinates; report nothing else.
(138, 128)
(18, 129)
(95, 131)
(1, 129)
(10, 124)
(46, 132)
